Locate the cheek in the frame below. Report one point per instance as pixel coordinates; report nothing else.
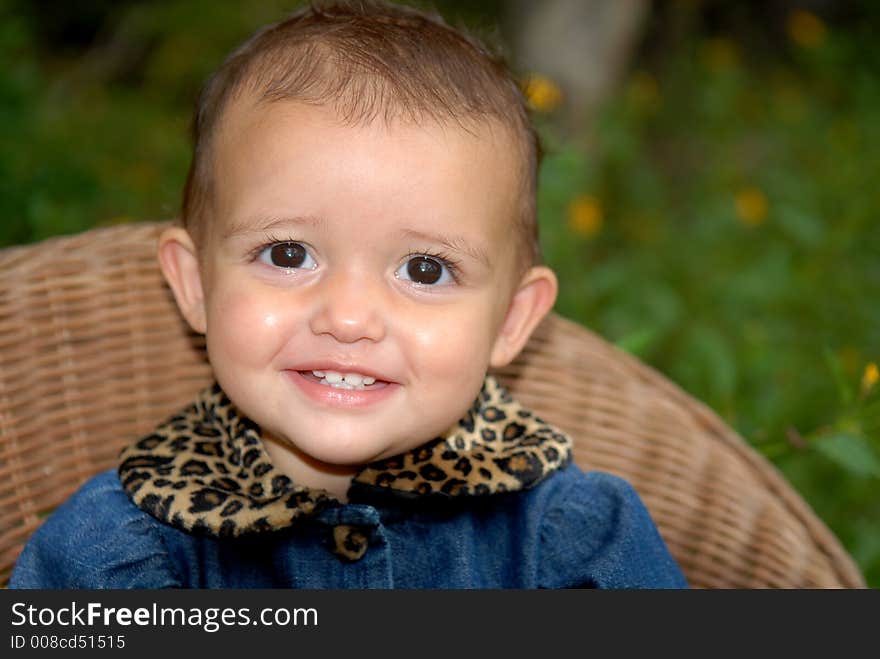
(244, 327)
(452, 344)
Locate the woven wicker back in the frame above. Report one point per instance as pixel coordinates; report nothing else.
(93, 353)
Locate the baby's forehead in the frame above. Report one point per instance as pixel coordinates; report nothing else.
(307, 135)
(249, 110)
(471, 139)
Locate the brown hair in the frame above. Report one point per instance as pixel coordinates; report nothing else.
(368, 59)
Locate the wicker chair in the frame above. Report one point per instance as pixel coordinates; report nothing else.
(93, 353)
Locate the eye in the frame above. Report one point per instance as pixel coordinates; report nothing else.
(426, 270)
(288, 255)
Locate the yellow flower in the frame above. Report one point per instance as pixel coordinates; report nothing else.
(585, 216)
(805, 29)
(542, 93)
(870, 377)
(751, 206)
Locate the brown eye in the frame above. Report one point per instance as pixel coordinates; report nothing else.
(424, 270)
(288, 255)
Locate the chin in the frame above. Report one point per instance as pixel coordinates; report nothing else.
(345, 454)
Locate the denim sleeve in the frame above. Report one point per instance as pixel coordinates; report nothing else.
(597, 533)
(97, 539)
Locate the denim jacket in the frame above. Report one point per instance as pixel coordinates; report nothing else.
(495, 503)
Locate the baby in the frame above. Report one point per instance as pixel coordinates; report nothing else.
(359, 246)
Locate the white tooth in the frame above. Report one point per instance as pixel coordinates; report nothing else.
(344, 380)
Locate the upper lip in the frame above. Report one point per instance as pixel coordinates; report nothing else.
(339, 367)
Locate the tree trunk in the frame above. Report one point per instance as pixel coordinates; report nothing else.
(582, 45)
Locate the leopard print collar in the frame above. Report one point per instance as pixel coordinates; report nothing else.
(205, 469)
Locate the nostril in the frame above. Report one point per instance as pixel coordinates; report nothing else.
(348, 327)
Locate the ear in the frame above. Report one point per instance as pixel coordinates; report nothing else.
(179, 261)
(532, 300)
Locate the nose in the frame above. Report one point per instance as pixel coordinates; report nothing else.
(348, 308)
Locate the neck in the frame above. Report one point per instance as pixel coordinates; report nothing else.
(306, 471)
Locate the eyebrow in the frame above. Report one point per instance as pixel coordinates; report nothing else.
(263, 224)
(452, 242)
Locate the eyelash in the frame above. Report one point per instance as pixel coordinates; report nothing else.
(445, 259)
(268, 241)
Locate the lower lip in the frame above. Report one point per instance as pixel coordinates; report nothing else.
(348, 398)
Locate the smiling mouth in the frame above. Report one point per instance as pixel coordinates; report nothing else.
(347, 381)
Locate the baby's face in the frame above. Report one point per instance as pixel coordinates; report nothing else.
(382, 253)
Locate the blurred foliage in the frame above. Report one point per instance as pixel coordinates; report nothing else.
(720, 221)
(718, 218)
